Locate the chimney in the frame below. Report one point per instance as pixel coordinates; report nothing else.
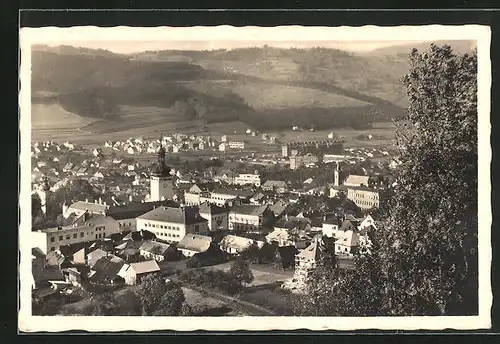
(130, 198)
(86, 200)
(100, 200)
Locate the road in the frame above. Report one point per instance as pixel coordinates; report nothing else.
(232, 302)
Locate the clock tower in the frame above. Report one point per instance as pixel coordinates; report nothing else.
(161, 181)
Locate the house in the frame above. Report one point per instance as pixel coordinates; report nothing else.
(172, 224)
(42, 273)
(249, 217)
(258, 198)
(80, 207)
(280, 237)
(368, 222)
(132, 273)
(93, 256)
(330, 227)
(356, 180)
(105, 270)
(226, 176)
(156, 250)
(218, 217)
(192, 244)
(346, 242)
(127, 214)
(247, 179)
(293, 224)
(68, 167)
(364, 197)
(86, 228)
(236, 144)
(235, 245)
(277, 186)
(279, 208)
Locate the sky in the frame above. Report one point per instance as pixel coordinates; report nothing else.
(123, 47)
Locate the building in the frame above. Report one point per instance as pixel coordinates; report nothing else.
(247, 179)
(218, 217)
(280, 237)
(249, 217)
(293, 224)
(172, 224)
(219, 196)
(331, 146)
(44, 193)
(81, 207)
(127, 214)
(87, 228)
(132, 273)
(346, 238)
(161, 185)
(235, 245)
(156, 250)
(192, 244)
(330, 227)
(236, 145)
(305, 263)
(356, 181)
(364, 197)
(277, 186)
(302, 160)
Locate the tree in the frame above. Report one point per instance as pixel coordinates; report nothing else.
(158, 297)
(252, 253)
(240, 270)
(431, 233)
(423, 258)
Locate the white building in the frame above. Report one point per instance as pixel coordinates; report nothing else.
(217, 217)
(192, 244)
(248, 179)
(249, 217)
(87, 228)
(172, 224)
(98, 207)
(236, 145)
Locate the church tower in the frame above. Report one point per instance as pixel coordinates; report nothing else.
(43, 193)
(161, 184)
(336, 175)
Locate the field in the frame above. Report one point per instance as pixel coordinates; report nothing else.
(266, 96)
(54, 117)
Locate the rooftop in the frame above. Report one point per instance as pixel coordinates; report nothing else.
(145, 267)
(194, 242)
(209, 208)
(91, 207)
(133, 210)
(185, 215)
(154, 247)
(249, 209)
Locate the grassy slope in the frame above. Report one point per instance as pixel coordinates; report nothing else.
(260, 86)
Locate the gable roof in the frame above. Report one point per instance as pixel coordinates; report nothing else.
(154, 247)
(237, 242)
(133, 210)
(92, 207)
(233, 192)
(347, 225)
(311, 252)
(145, 267)
(249, 209)
(107, 267)
(278, 234)
(210, 208)
(95, 255)
(274, 184)
(195, 242)
(349, 239)
(278, 208)
(356, 180)
(186, 215)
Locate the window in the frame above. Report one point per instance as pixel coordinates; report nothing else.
(52, 248)
(96, 236)
(52, 239)
(68, 237)
(81, 234)
(75, 235)
(60, 237)
(130, 223)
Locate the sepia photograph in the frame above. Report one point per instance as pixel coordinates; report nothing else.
(278, 177)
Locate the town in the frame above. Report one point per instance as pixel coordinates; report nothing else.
(106, 217)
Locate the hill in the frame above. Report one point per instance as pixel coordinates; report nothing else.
(267, 88)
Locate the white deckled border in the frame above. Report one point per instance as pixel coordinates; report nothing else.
(482, 34)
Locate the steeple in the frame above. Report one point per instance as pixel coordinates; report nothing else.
(161, 169)
(336, 175)
(45, 184)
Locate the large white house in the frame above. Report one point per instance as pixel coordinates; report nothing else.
(172, 224)
(247, 179)
(88, 227)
